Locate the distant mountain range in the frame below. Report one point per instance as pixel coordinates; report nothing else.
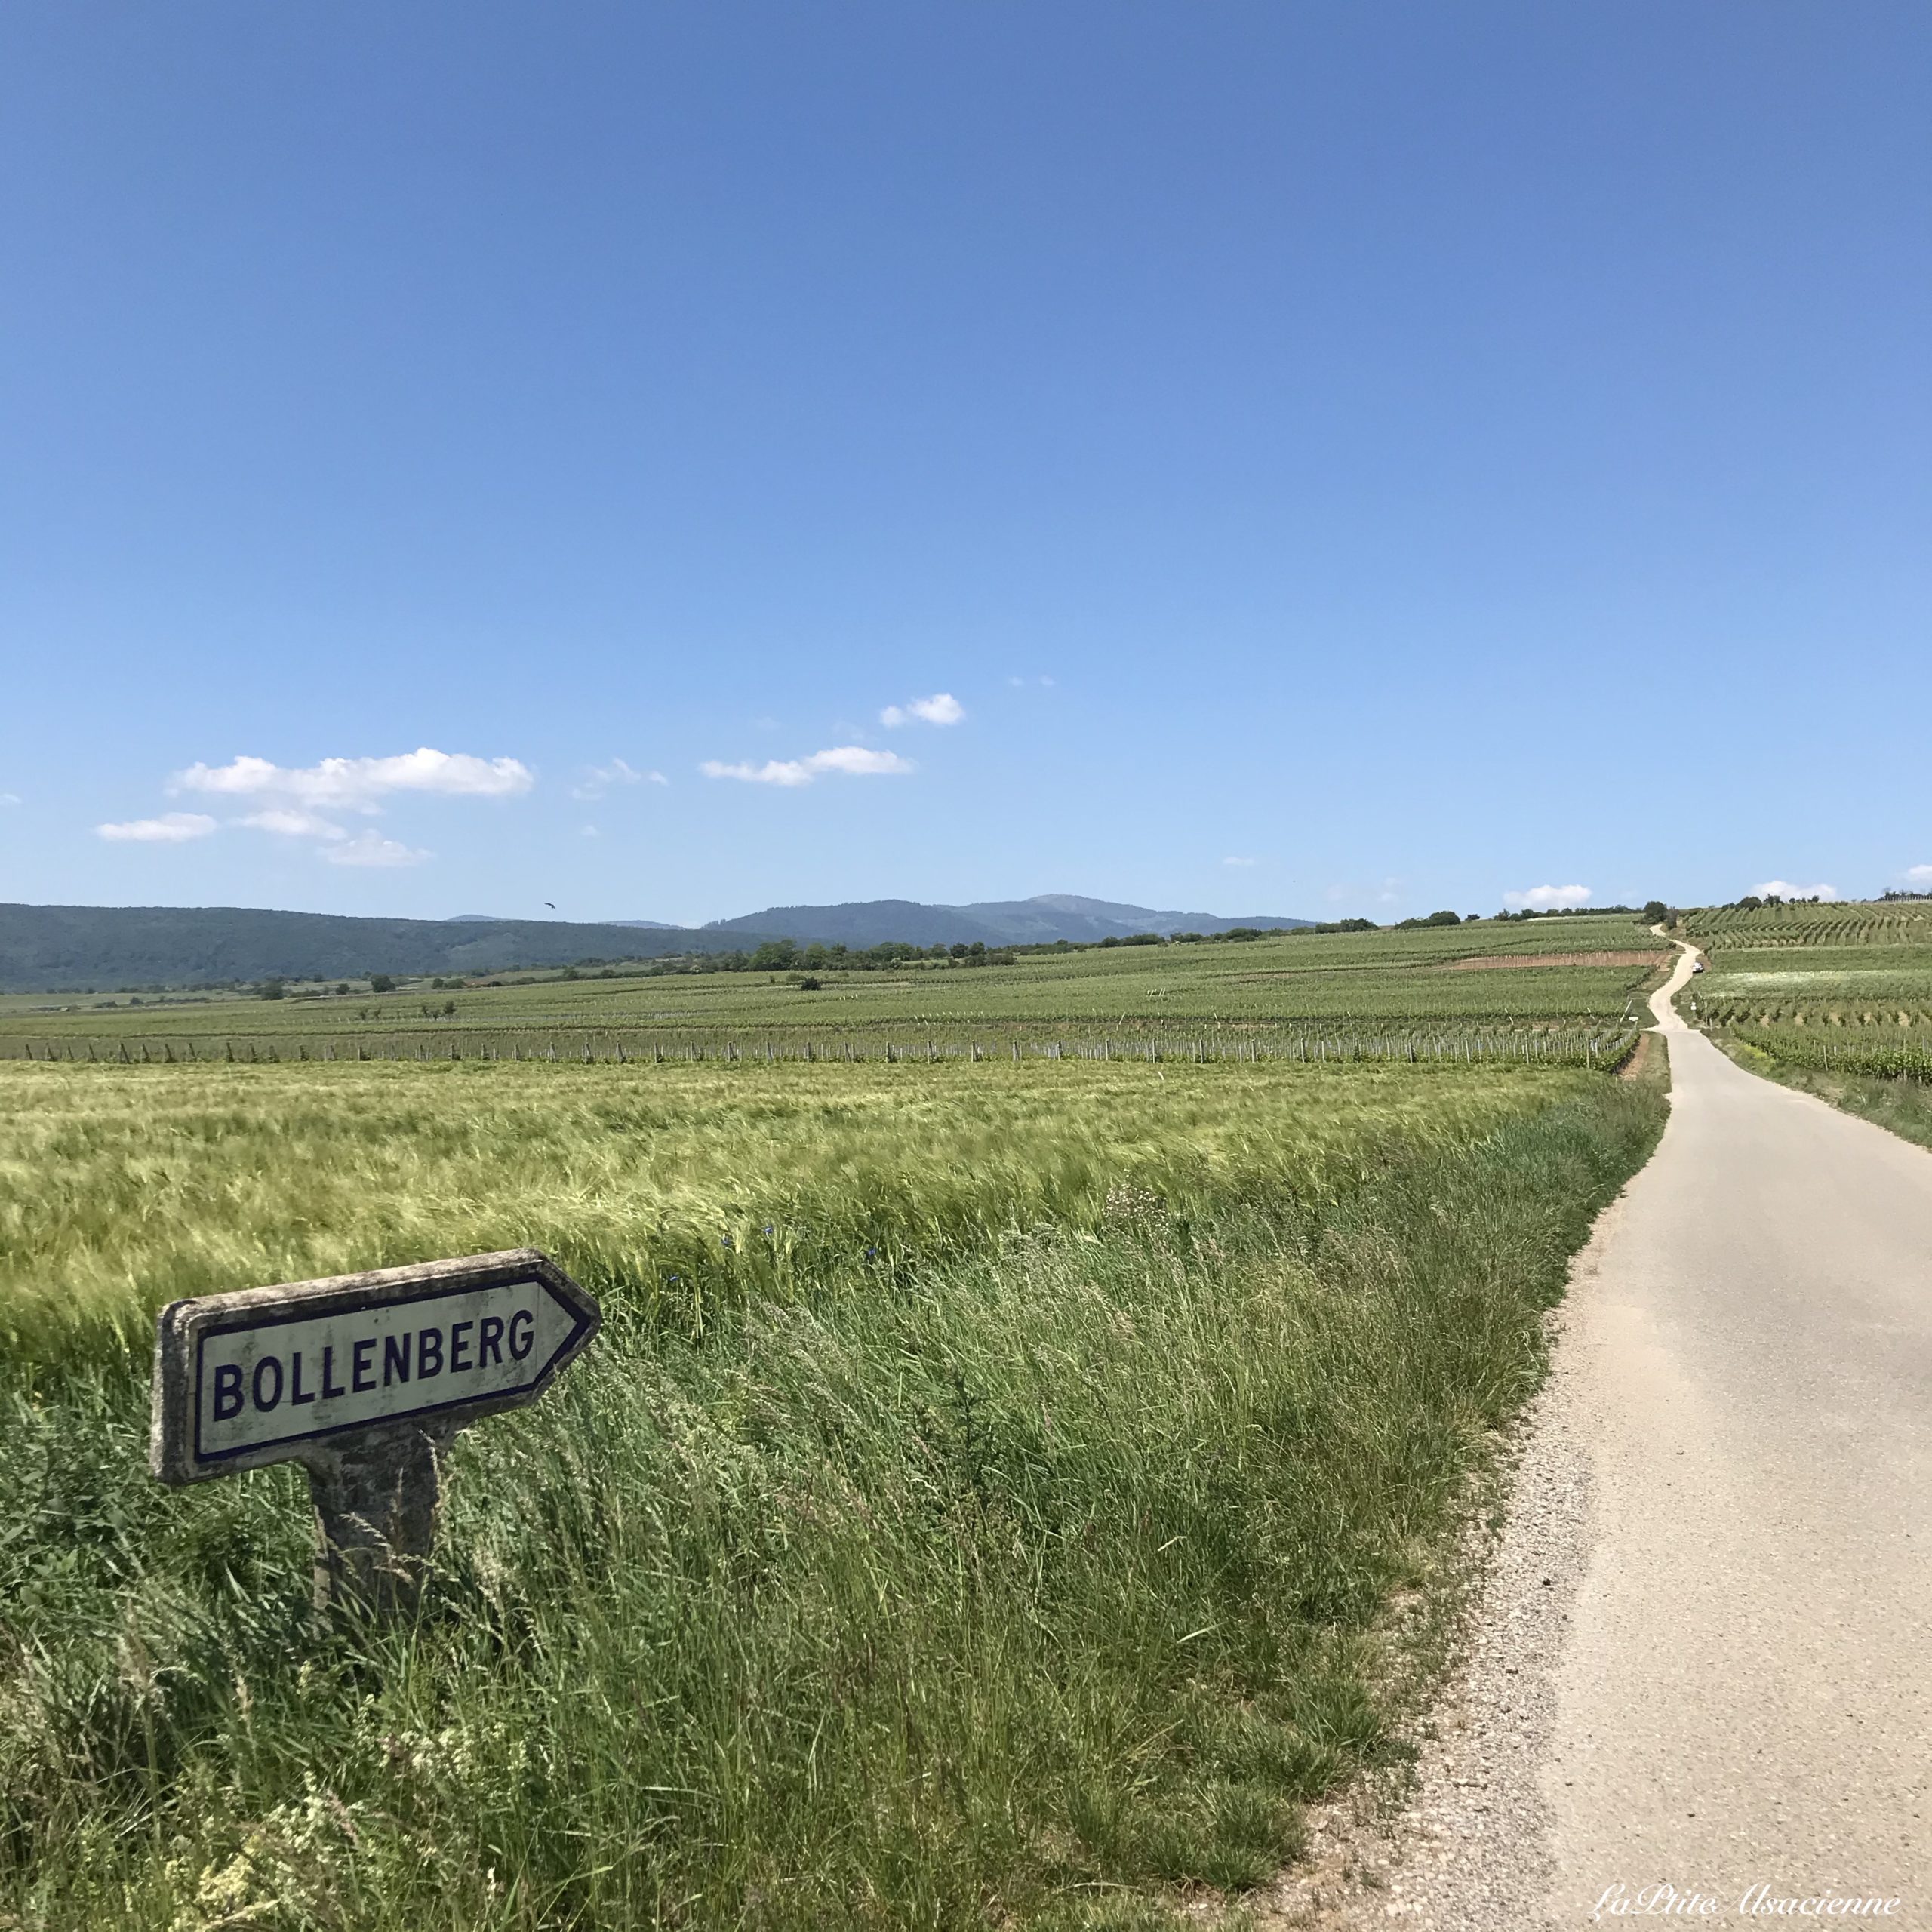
(1037, 922)
(58, 949)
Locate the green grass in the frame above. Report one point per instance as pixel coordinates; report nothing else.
(1008, 1536)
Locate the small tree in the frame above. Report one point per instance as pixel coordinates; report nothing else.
(381, 982)
(271, 990)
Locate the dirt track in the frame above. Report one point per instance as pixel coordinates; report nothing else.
(1704, 1660)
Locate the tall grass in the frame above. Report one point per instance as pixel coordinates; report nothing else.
(1025, 1564)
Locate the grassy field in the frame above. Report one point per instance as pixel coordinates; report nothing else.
(982, 1505)
(1483, 988)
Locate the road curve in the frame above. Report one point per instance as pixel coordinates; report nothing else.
(1704, 1661)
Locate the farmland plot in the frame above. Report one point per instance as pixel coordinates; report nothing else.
(1569, 989)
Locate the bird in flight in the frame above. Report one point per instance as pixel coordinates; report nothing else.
(552, 903)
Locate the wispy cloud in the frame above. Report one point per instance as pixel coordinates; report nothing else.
(1782, 888)
(289, 822)
(1241, 862)
(1914, 875)
(170, 828)
(371, 848)
(335, 843)
(942, 708)
(10, 798)
(600, 779)
(1019, 684)
(355, 784)
(1548, 898)
(852, 761)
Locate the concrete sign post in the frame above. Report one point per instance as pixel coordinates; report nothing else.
(363, 1379)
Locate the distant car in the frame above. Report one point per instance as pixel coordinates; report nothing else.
(1698, 967)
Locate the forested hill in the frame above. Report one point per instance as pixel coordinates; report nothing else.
(68, 948)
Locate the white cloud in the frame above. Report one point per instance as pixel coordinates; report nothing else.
(169, 830)
(289, 822)
(942, 708)
(1780, 888)
(371, 848)
(1918, 874)
(354, 784)
(588, 832)
(1241, 862)
(855, 760)
(600, 778)
(1548, 898)
(10, 798)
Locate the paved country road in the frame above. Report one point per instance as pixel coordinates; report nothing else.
(1704, 1660)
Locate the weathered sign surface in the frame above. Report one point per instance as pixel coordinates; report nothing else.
(363, 1378)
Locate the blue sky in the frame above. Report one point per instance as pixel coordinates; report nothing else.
(1332, 458)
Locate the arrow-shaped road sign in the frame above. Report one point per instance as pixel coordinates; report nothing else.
(269, 1375)
(363, 1378)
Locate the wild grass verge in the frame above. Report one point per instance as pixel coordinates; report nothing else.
(1038, 1579)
